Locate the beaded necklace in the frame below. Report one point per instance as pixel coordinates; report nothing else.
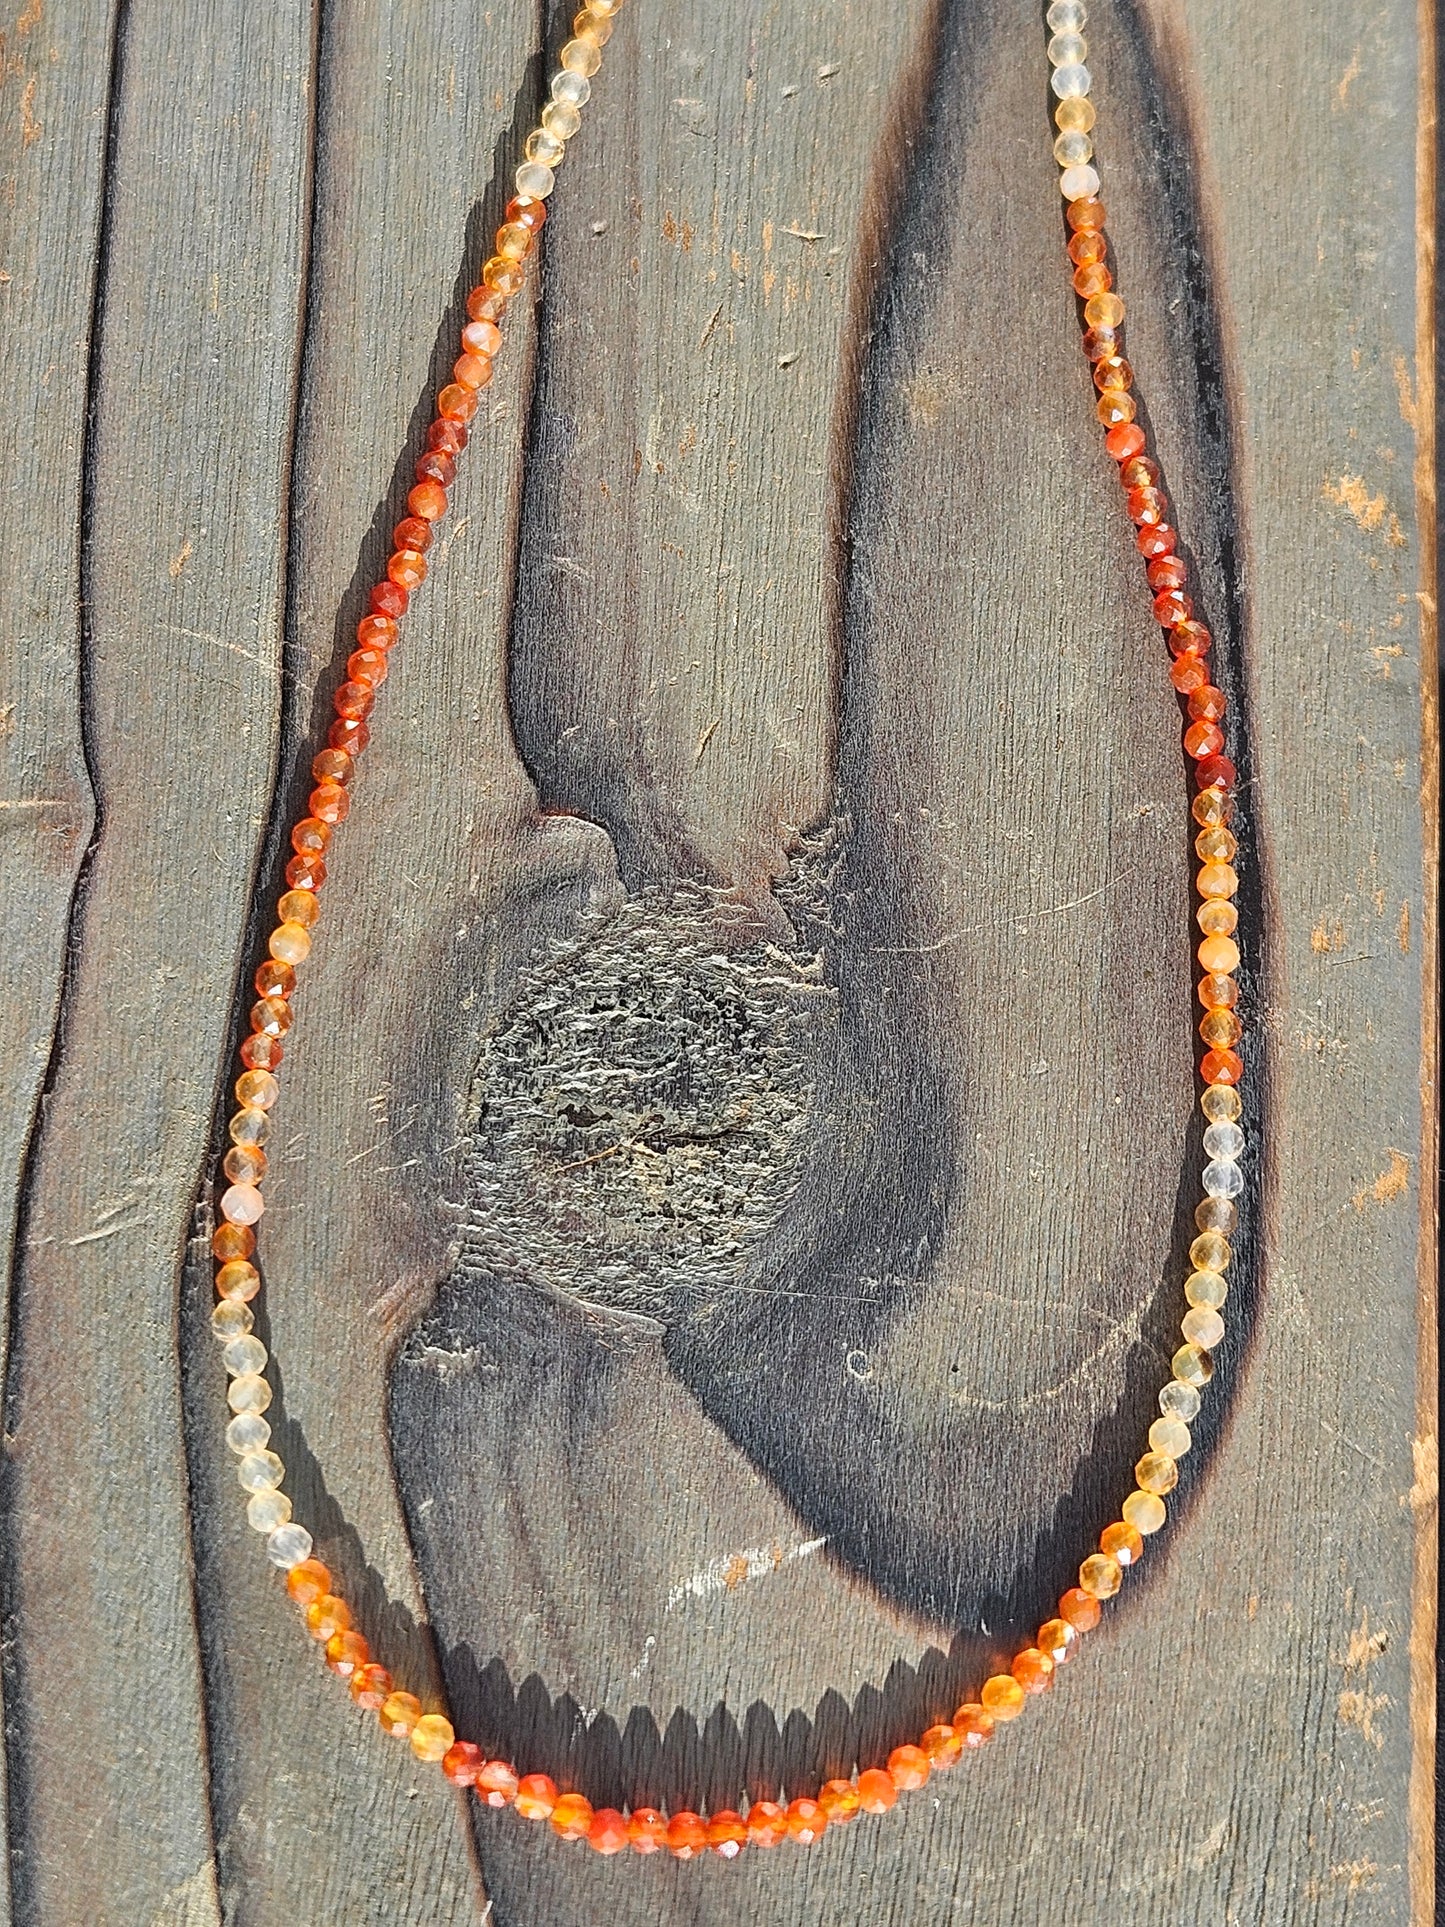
(1004, 1696)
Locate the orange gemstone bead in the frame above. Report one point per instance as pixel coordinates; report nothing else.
(1002, 1697)
(536, 1796)
(1091, 279)
(496, 1783)
(972, 1725)
(1100, 1575)
(1034, 1670)
(1218, 993)
(942, 1746)
(1080, 1609)
(1220, 1029)
(376, 632)
(1203, 739)
(1115, 406)
(310, 836)
(531, 214)
(482, 338)
(1125, 440)
(398, 1714)
(345, 1652)
(840, 1801)
(246, 1163)
(876, 1790)
(387, 599)
(1058, 1639)
(807, 1822)
(1187, 673)
(1122, 1543)
(412, 533)
(571, 1818)
(428, 500)
(237, 1279)
(1221, 1067)
(1085, 214)
(232, 1241)
(306, 873)
(369, 667)
(371, 1687)
(327, 1615)
(472, 371)
(308, 1582)
(608, 1831)
(436, 466)
(461, 1761)
(456, 403)
(1086, 246)
(909, 1767)
(353, 700)
(727, 1834)
(768, 1823)
(647, 1830)
(408, 567)
(686, 1835)
(261, 1053)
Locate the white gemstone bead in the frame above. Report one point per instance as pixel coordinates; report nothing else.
(267, 1510)
(1073, 148)
(259, 1471)
(248, 1432)
(1079, 183)
(288, 1546)
(1071, 83)
(1222, 1179)
(244, 1355)
(249, 1394)
(232, 1318)
(1178, 1400)
(1066, 16)
(1067, 50)
(1224, 1140)
(534, 182)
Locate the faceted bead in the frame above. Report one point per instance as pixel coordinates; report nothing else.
(437, 466)
(388, 600)
(1210, 1251)
(267, 1511)
(686, 1834)
(972, 1724)
(353, 699)
(1172, 607)
(1180, 1401)
(1219, 956)
(1080, 1608)
(483, 337)
(270, 1017)
(1169, 572)
(1217, 880)
(768, 1822)
(1091, 279)
(581, 57)
(608, 1831)
(1171, 1436)
(326, 1616)
(727, 1834)
(1216, 772)
(1002, 1697)
(471, 372)
(290, 943)
(432, 1738)
(1144, 1511)
(1122, 1542)
(1186, 672)
(876, 1790)
(231, 1242)
(1079, 183)
(1099, 342)
(1155, 539)
(398, 1714)
(370, 668)
(1104, 311)
(1208, 704)
(942, 1746)
(308, 1582)
(242, 1204)
(456, 403)
(1085, 214)
(1193, 1366)
(1086, 247)
(299, 906)
(1113, 371)
(1066, 49)
(1156, 1473)
(238, 1279)
(329, 801)
(485, 304)
(257, 1090)
(515, 242)
(536, 1796)
(1200, 739)
(1071, 81)
(807, 1821)
(1075, 114)
(310, 837)
(1033, 1670)
(1072, 149)
(1218, 992)
(1190, 635)
(1216, 846)
(497, 1783)
(1115, 406)
(570, 1818)
(306, 873)
(345, 1652)
(1217, 917)
(249, 1432)
(1100, 1575)
(1128, 438)
(1207, 1288)
(370, 1687)
(531, 213)
(1057, 1638)
(1211, 808)
(251, 1393)
(1221, 1105)
(544, 146)
(839, 1801)
(414, 531)
(909, 1767)
(460, 1763)
(1221, 1029)
(408, 567)
(288, 1545)
(260, 1472)
(1149, 508)
(1140, 471)
(246, 1163)
(261, 1053)
(1202, 1326)
(275, 979)
(1222, 1067)
(428, 500)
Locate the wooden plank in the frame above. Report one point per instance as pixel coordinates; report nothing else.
(54, 73)
(200, 274)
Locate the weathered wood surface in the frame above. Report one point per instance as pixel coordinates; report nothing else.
(737, 1144)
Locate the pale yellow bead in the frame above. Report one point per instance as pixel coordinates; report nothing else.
(580, 57)
(290, 943)
(1206, 1288)
(1221, 1103)
(1192, 1365)
(1171, 1436)
(249, 1394)
(1144, 1511)
(248, 1432)
(559, 117)
(1156, 1472)
(534, 182)
(267, 1510)
(1101, 1576)
(1217, 880)
(249, 1127)
(260, 1471)
(244, 1356)
(1217, 918)
(1202, 1326)
(232, 1318)
(1210, 1252)
(1075, 115)
(545, 148)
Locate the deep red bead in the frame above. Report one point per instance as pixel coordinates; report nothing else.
(1166, 572)
(449, 437)
(436, 466)
(1156, 539)
(349, 733)
(389, 599)
(1214, 772)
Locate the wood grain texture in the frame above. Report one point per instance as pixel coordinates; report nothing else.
(737, 1147)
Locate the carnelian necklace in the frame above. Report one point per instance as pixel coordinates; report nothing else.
(1002, 1698)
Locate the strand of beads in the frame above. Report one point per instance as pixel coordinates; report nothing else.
(1003, 1696)
(1216, 880)
(241, 1204)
